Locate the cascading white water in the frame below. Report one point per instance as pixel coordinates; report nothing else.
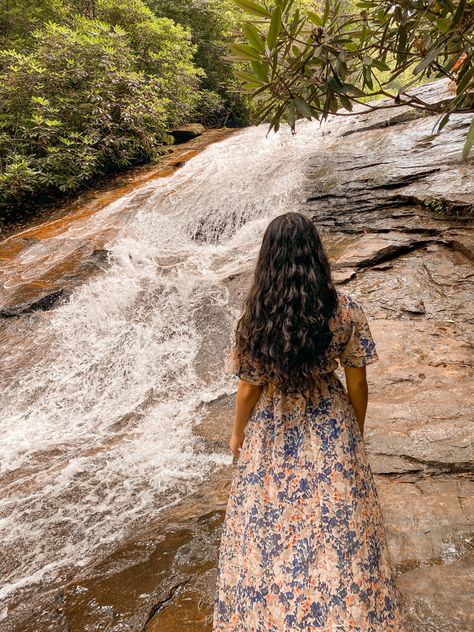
(98, 409)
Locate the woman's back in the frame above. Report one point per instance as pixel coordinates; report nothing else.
(351, 346)
(303, 545)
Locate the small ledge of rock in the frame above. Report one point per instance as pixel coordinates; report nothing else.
(414, 307)
(343, 276)
(45, 303)
(187, 132)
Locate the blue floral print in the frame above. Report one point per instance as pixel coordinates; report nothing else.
(303, 544)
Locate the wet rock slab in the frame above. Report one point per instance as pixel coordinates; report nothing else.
(161, 580)
(401, 229)
(412, 267)
(429, 523)
(421, 397)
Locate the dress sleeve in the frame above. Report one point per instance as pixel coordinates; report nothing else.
(244, 368)
(359, 349)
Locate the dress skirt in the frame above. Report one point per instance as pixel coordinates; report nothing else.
(303, 545)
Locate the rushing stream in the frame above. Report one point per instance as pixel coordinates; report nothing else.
(99, 395)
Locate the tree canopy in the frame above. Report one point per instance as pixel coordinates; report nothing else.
(213, 25)
(309, 60)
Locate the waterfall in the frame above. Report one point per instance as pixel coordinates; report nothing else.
(100, 395)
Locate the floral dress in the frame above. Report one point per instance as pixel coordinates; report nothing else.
(303, 544)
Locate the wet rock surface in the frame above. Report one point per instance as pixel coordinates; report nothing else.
(42, 304)
(393, 205)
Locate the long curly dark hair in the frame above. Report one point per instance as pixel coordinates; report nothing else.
(284, 326)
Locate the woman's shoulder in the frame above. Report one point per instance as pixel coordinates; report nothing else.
(350, 309)
(348, 302)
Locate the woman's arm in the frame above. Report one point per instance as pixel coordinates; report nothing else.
(247, 396)
(357, 388)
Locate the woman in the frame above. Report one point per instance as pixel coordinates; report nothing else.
(303, 545)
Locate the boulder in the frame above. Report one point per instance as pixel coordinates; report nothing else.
(187, 132)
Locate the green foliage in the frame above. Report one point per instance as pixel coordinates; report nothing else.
(91, 86)
(19, 18)
(311, 63)
(442, 207)
(213, 24)
(437, 206)
(162, 48)
(75, 107)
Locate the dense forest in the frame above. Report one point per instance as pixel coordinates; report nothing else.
(89, 87)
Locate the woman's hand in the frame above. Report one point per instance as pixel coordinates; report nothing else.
(236, 442)
(358, 391)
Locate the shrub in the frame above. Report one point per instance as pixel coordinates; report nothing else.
(78, 106)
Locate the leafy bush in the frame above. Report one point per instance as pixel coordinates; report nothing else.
(20, 18)
(162, 49)
(79, 105)
(213, 24)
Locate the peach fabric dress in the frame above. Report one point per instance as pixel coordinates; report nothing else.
(303, 545)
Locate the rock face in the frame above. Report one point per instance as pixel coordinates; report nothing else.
(187, 132)
(394, 206)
